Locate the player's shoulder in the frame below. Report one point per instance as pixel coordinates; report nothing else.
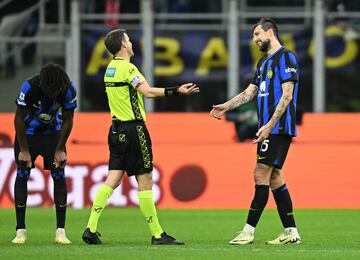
(70, 92)
(130, 70)
(130, 67)
(289, 53)
(31, 85)
(72, 87)
(119, 68)
(34, 81)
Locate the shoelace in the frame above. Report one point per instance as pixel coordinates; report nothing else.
(170, 237)
(241, 233)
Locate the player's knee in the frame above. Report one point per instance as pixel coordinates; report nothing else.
(262, 174)
(23, 174)
(58, 175)
(276, 179)
(145, 185)
(145, 182)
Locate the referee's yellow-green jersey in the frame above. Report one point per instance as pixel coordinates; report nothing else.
(121, 79)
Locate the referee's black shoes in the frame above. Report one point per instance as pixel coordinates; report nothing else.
(91, 238)
(165, 239)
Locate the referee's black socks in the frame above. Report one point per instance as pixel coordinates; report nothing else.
(258, 204)
(284, 206)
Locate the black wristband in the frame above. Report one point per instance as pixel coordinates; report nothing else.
(173, 91)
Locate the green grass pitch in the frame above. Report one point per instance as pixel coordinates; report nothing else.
(326, 234)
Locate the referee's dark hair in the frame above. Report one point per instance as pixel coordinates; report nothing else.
(113, 40)
(266, 24)
(53, 80)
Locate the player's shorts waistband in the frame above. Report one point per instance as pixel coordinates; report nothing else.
(118, 122)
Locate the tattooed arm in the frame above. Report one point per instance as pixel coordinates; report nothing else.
(244, 97)
(264, 131)
(248, 94)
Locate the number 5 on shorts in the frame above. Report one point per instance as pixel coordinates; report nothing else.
(264, 145)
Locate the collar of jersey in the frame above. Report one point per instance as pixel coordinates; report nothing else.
(118, 58)
(282, 47)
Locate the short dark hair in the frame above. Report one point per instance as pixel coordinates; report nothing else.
(266, 24)
(113, 40)
(53, 80)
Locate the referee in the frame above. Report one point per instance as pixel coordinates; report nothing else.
(275, 84)
(128, 139)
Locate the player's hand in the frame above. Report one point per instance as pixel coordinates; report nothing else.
(59, 158)
(262, 134)
(218, 110)
(25, 157)
(188, 89)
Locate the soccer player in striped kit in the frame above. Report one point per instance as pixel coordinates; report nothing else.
(43, 122)
(275, 84)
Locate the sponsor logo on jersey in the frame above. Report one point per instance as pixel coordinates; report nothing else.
(289, 70)
(262, 86)
(44, 118)
(262, 89)
(110, 72)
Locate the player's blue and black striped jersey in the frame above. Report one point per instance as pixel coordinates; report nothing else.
(44, 114)
(271, 72)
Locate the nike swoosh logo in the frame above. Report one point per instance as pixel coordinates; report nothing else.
(62, 206)
(97, 209)
(21, 206)
(261, 158)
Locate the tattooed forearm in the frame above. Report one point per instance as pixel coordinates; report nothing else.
(283, 103)
(243, 97)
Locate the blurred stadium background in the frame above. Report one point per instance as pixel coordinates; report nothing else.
(198, 161)
(208, 42)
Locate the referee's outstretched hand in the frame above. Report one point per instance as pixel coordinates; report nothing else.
(188, 89)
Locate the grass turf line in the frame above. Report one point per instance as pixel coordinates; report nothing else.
(326, 234)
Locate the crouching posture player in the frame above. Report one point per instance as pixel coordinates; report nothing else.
(43, 122)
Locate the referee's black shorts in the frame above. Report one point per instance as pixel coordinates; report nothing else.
(43, 145)
(130, 147)
(273, 150)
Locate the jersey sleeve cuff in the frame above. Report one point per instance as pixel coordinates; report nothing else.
(289, 79)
